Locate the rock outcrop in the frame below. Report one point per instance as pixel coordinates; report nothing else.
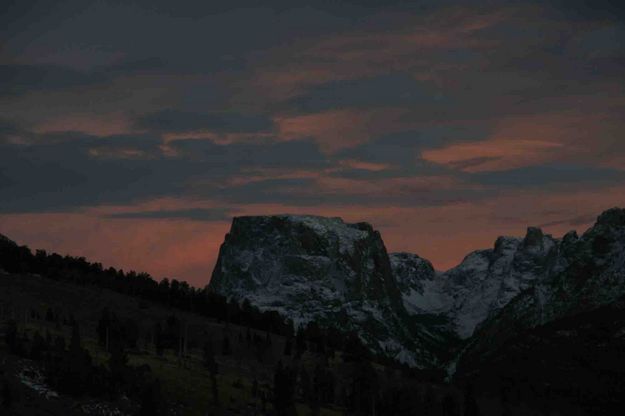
(481, 285)
(323, 269)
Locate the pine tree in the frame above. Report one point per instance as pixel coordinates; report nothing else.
(118, 365)
(7, 395)
(470, 404)
(159, 342)
(300, 342)
(254, 388)
(10, 335)
(283, 391)
(49, 315)
(288, 346)
(214, 389)
(209, 358)
(74, 344)
(225, 346)
(103, 328)
(150, 400)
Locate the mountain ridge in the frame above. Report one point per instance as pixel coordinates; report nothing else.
(444, 308)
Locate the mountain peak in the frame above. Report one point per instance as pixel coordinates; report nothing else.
(534, 236)
(505, 244)
(311, 268)
(612, 217)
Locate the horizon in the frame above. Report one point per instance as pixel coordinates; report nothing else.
(132, 132)
(200, 285)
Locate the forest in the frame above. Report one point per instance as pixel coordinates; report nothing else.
(110, 354)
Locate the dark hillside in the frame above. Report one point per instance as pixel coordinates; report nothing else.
(161, 349)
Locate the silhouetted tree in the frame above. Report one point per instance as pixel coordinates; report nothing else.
(103, 327)
(214, 389)
(449, 406)
(470, 404)
(10, 335)
(225, 346)
(283, 391)
(7, 395)
(300, 342)
(37, 347)
(151, 400)
(254, 387)
(159, 342)
(49, 315)
(288, 345)
(209, 358)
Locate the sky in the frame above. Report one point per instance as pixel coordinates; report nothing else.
(131, 132)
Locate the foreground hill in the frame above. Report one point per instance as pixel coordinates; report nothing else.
(79, 339)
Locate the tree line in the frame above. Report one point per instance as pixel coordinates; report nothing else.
(169, 292)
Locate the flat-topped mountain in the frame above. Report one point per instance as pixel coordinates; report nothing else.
(320, 269)
(346, 261)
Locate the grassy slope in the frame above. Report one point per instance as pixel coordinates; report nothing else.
(185, 382)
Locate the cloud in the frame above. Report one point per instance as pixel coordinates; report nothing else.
(334, 130)
(386, 90)
(20, 79)
(69, 171)
(405, 147)
(194, 214)
(180, 121)
(550, 176)
(576, 221)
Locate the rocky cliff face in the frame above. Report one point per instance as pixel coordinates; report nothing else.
(280, 255)
(583, 274)
(566, 333)
(315, 268)
(481, 285)
(418, 284)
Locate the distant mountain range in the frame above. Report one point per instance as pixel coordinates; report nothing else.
(312, 268)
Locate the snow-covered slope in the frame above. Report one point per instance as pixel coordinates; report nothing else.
(315, 268)
(588, 272)
(419, 284)
(568, 326)
(481, 285)
(323, 269)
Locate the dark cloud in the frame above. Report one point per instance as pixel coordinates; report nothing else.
(576, 221)
(382, 91)
(140, 65)
(250, 156)
(67, 171)
(19, 79)
(177, 68)
(195, 214)
(404, 148)
(8, 128)
(180, 121)
(473, 162)
(550, 175)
